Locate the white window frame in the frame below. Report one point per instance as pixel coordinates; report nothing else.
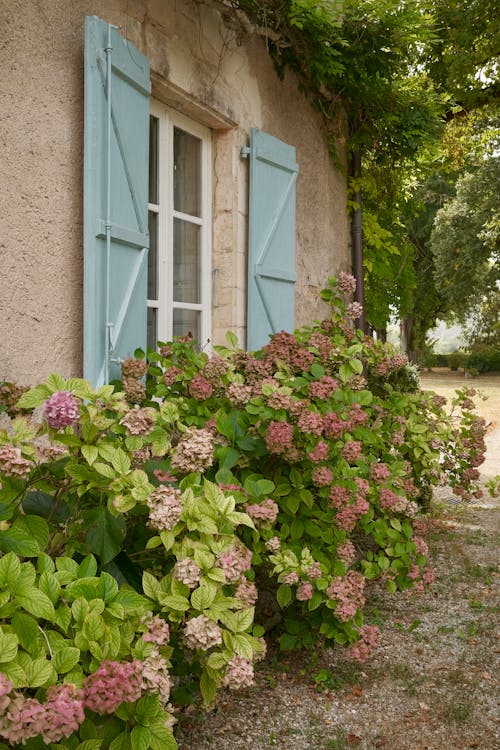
(168, 119)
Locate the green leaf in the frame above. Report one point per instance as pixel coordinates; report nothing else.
(49, 585)
(16, 674)
(26, 629)
(121, 462)
(93, 627)
(9, 643)
(56, 382)
(242, 646)
(140, 738)
(18, 539)
(106, 533)
(147, 709)
(10, 568)
(36, 603)
(284, 595)
(208, 688)
(356, 366)
(90, 453)
(93, 744)
(63, 617)
(244, 619)
(38, 672)
(131, 601)
(65, 659)
(87, 567)
(34, 397)
(202, 597)
(150, 585)
(161, 737)
(121, 742)
(175, 602)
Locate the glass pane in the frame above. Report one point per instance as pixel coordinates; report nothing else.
(186, 262)
(153, 256)
(152, 334)
(153, 159)
(186, 322)
(187, 173)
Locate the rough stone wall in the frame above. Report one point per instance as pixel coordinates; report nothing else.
(197, 68)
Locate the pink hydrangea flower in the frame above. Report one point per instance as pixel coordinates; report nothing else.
(267, 510)
(200, 388)
(369, 638)
(324, 387)
(314, 571)
(304, 592)
(187, 571)
(333, 425)
(12, 463)
(247, 593)
(321, 476)
(290, 578)
(311, 422)
(348, 593)
(111, 684)
(239, 673)
(320, 452)
(202, 633)
(138, 421)
(346, 552)
(61, 410)
(158, 631)
(354, 310)
(235, 561)
(165, 507)
(279, 437)
(171, 375)
(194, 452)
(351, 451)
(346, 283)
(239, 394)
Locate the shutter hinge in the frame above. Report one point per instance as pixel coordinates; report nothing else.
(245, 152)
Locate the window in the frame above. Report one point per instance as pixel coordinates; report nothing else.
(180, 226)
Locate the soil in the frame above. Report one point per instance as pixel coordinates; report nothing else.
(433, 682)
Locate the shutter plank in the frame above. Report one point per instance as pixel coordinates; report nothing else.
(124, 294)
(271, 251)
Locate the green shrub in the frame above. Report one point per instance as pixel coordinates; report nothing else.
(484, 359)
(456, 360)
(295, 471)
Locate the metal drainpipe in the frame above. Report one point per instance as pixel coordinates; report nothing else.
(357, 241)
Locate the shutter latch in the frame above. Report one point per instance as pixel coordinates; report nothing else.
(245, 152)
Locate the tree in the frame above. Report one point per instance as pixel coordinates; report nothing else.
(465, 239)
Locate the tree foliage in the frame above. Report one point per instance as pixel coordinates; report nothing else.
(416, 81)
(465, 239)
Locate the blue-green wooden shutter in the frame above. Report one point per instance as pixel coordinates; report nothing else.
(115, 150)
(271, 238)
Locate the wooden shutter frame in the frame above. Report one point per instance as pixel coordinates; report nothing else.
(110, 58)
(262, 318)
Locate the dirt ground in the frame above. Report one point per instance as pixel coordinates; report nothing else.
(431, 685)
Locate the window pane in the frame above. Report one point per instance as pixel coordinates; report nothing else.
(186, 262)
(186, 322)
(153, 159)
(152, 337)
(153, 256)
(187, 170)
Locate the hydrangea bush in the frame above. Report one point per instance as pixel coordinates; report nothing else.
(141, 523)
